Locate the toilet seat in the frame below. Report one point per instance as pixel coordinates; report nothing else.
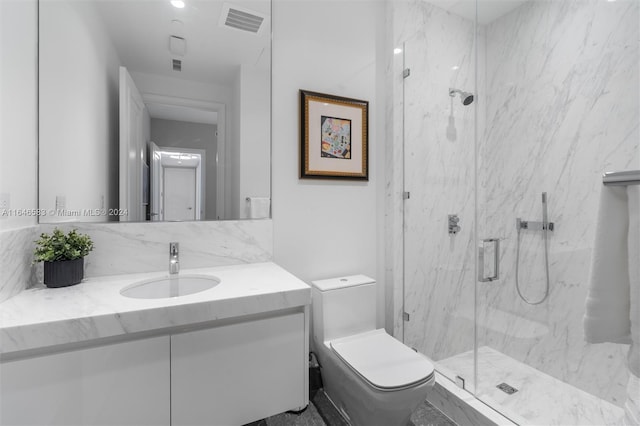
(382, 361)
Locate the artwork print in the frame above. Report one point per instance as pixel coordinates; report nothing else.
(336, 138)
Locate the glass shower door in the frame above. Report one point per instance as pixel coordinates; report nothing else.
(439, 158)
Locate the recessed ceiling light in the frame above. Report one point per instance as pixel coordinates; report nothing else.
(177, 3)
(397, 51)
(455, 68)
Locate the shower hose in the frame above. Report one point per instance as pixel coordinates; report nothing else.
(546, 264)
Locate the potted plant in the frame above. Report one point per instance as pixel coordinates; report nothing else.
(63, 256)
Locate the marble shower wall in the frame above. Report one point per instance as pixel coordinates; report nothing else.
(562, 108)
(557, 105)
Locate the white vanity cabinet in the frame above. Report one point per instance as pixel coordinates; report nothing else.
(117, 384)
(228, 356)
(238, 373)
(229, 373)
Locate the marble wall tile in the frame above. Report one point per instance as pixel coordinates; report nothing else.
(562, 108)
(16, 270)
(144, 247)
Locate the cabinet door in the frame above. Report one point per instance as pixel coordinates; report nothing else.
(238, 373)
(118, 384)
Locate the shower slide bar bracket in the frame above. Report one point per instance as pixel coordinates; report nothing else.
(534, 226)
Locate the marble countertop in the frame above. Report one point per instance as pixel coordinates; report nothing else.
(40, 317)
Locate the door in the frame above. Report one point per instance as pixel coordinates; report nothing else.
(439, 181)
(132, 149)
(179, 193)
(155, 180)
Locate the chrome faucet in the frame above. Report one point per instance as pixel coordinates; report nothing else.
(174, 259)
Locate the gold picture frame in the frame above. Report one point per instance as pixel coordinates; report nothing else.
(334, 137)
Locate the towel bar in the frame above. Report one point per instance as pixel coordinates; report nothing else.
(629, 177)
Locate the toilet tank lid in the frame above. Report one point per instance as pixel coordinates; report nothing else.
(342, 282)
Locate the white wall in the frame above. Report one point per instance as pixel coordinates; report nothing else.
(18, 108)
(79, 142)
(255, 130)
(326, 228)
(18, 141)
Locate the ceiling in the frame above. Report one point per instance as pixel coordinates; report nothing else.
(488, 10)
(140, 31)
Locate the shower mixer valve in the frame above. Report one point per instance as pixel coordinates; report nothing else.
(453, 224)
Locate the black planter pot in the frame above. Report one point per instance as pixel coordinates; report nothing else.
(63, 273)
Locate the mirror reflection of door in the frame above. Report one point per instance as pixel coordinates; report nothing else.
(179, 198)
(134, 131)
(155, 170)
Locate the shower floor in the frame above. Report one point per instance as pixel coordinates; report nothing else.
(540, 399)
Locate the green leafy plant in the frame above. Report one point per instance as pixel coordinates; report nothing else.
(60, 246)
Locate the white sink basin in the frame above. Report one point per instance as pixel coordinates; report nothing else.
(170, 286)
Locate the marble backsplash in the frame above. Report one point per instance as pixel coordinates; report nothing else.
(140, 247)
(16, 269)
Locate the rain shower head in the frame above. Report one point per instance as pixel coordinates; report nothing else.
(465, 97)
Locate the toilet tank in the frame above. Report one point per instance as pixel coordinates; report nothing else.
(343, 307)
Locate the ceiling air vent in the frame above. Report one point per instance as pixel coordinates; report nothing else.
(242, 19)
(177, 65)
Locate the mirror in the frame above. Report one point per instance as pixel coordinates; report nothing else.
(154, 110)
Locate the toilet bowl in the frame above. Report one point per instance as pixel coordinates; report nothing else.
(372, 378)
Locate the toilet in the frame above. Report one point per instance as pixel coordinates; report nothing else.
(372, 378)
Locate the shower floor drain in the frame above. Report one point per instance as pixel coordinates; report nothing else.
(507, 389)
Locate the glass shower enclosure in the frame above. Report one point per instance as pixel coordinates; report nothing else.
(511, 113)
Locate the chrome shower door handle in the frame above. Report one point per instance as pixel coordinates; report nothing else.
(496, 260)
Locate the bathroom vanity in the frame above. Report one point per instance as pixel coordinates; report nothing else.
(86, 354)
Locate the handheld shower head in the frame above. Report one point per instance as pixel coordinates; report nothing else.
(465, 97)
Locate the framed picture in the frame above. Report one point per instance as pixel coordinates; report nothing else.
(334, 137)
